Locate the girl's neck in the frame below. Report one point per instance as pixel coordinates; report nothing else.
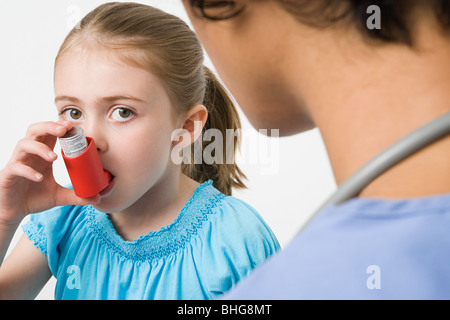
(157, 208)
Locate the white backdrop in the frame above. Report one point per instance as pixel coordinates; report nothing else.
(288, 178)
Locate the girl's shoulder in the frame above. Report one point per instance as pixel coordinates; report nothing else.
(53, 224)
(234, 237)
(226, 209)
(237, 222)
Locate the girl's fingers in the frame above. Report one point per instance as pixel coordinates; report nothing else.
(18, 169)
(25, 147)
(50, 128)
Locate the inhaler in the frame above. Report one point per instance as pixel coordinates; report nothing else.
(83, 163)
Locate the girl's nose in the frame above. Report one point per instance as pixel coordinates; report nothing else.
(97, 134)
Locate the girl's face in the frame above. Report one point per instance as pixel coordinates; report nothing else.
(129, 115)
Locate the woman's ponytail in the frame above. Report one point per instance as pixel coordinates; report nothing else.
(222, 115)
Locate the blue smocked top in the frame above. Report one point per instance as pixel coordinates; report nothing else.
(214, 242)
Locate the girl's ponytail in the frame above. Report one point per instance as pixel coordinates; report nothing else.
(222, 115)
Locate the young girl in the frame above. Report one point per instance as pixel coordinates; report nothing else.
(133, 78)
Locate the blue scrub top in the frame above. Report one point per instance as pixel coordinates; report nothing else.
(362, 249)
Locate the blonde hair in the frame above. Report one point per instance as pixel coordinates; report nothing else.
(159, 42)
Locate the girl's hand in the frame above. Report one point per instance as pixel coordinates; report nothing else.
(27, 184)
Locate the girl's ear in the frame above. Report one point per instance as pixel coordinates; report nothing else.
(191, 127)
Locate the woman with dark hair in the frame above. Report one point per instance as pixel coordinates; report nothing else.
(302, 64)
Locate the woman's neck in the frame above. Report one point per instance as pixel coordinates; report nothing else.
(364, 98)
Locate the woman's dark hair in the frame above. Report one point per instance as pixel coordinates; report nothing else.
(396, 15)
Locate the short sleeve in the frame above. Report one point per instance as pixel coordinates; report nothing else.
(47, 230)
(239, 241)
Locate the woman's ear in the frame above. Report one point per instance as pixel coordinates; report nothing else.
(191, 127)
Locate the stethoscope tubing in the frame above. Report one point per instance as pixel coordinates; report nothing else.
(397, 152)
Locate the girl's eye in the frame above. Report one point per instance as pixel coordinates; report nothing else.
(122, 114)
(73, 114)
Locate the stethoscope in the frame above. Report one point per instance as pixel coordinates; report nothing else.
(397, 152)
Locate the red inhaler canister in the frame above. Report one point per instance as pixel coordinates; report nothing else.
(83, 163)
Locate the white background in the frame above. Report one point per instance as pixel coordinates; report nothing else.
(285, 186)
